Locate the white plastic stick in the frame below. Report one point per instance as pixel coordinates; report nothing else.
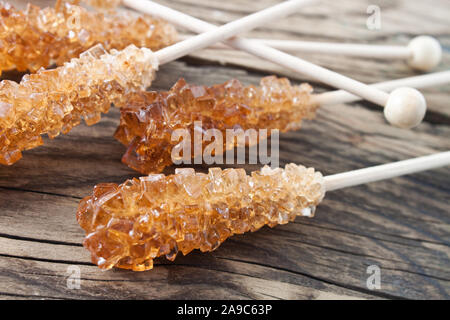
(219, 34)
(321, 74)
(386, 171)
(350, 49)
(359, 50)
(422, 53)
(418, 82)
(403, 108)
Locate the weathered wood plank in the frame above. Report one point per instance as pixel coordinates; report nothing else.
(401, 225)
(49, 264)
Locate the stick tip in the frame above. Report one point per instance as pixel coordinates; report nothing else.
(405, 108)
(426, 53)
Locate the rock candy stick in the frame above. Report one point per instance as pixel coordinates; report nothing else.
(150, 119)
(53, 101)
(100, 4)
(37, 38)
(129, 225)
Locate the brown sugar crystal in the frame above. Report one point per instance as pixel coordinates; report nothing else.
(129, 225)
(150, 118)
(36, 37)
(101, 4)
(53, 101)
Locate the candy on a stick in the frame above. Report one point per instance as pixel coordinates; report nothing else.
(37, 37)
(53, 101)
(50, 102)
(100, 4)
(131, 224)
(150, 118)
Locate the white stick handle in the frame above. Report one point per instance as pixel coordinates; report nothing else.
(350, 49)
(386, 171)
(422, 53)
(324, 75)
(321, 74)
(221, 33)
(347, 49)
(423, 81)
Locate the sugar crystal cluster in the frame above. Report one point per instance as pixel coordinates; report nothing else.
(37, 38)
(150, 118)
(129, 225)
(53, 101)
(101, 4)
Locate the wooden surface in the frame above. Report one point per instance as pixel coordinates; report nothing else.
(401, 225)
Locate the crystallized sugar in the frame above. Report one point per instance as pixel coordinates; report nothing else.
(129, 225)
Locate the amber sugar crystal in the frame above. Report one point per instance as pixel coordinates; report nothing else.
(129, 225)
(101, 4)
(53, 101)
(37, 37)
(149, 118)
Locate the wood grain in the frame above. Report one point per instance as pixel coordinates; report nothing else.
(401, 225)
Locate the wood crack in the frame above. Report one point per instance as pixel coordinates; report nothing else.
(58, 242)
(372, 237)
(324, 280)
(342, 251)
(40, 192)
(7, 294)
(47, 260)
(417, 273)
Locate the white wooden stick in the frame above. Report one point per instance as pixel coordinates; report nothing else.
(332, 78)
(219, 34)
(422, 53)
(361, 50)
(418, 82)
(405, 107)
(386, 171)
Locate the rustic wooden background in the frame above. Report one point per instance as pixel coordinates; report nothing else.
(401, 225)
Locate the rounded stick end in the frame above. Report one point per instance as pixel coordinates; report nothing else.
(426, 53)
(405, 108)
